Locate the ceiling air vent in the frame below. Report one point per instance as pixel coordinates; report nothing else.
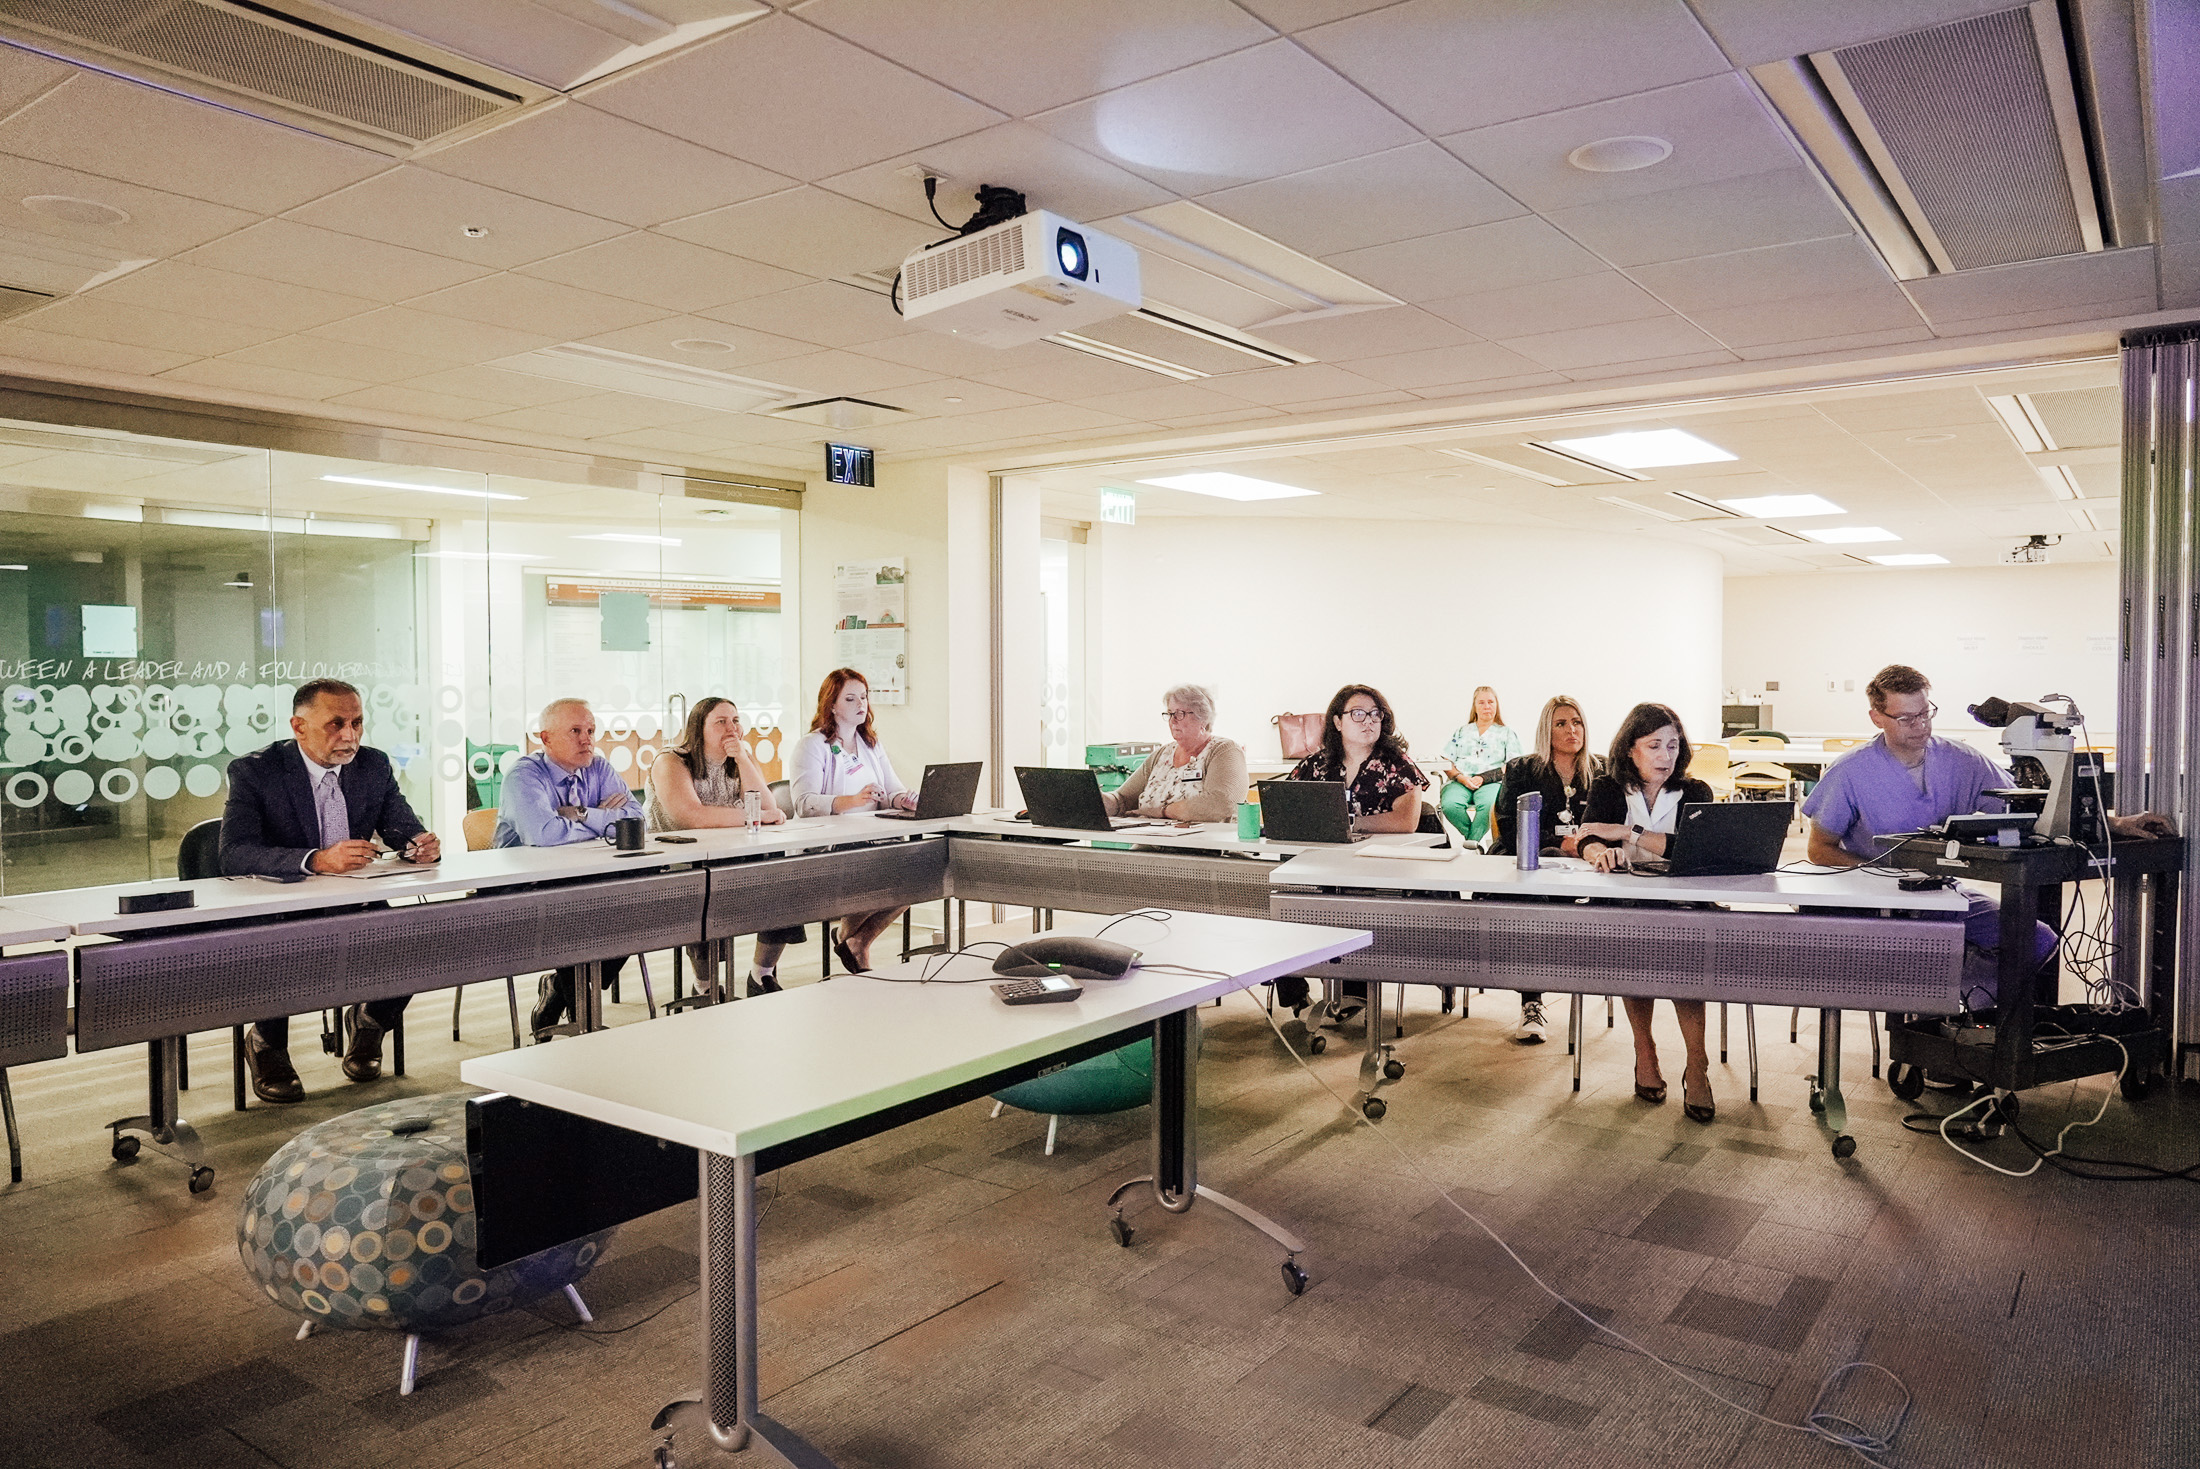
(299, 66)
(1177, 344)
(1956, 147)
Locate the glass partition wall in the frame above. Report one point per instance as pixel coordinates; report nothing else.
(161, 600)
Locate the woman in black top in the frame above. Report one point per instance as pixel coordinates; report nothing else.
(1361, 748)
(1633, 808)
(1561, 769)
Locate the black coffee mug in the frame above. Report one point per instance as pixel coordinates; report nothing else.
(628, 834)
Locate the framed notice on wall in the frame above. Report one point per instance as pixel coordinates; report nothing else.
(870, 625)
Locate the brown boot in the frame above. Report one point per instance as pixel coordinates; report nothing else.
(274, 1079)
(363, 1057)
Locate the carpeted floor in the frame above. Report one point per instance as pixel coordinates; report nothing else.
(947, 1295)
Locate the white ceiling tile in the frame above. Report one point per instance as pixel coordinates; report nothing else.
(1752, 31)
(1717, 127)
(1549, 306)
(1450, 366)
(159, 224)
(1591, 371)
(140, 326)
(1205, 292)
(930, 397)
(575, 156)
(789, 97)
(399, 398)
(1252, 115)
(1067, 374)
(1777, 208)
(363, 365)
(2036, 286)
(828, 313)
(1040, 56)
(144, 136)
(171, 285)
(1415, 190)
(24, 74)
(1039, 418)
(1449, 65)
(1807, 318)
(751, 349)
(285, 250)
(807, 230)
(1775, 273)
(1289, 386)
(1818, 346)
(954, 357)
(527, 304)
(495, 387)
(33, 345)
(1382, 333)
(1511, 252)
(249, 377)
(838, 374)
(1050, 173)
(559, 422)
(432, 211)
(625, 411)
(669, 441)
(402, 329)
(1297, 15)
(661, 271)
(1169, 402)
(1247, 414)
(2108, 313)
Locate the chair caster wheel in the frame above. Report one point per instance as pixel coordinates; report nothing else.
(1123, 1233)
(1817, 1101)
(1906, 1082)
(1394, 1069)
(1844, 1146)
(662, 1458)
(202, 1179)
(2134, 1087)
(124, 1147)
(1374, 1108)
(1294, 1279)
(1316, 1044)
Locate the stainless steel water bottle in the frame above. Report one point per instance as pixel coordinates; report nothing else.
(1528, 829)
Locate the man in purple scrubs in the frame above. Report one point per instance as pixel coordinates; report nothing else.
(1907, 779)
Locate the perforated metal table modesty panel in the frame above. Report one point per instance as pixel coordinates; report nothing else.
(1476, 920)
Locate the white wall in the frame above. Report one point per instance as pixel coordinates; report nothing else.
(2015, 631)
(1275, 615)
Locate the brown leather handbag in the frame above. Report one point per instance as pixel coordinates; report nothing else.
(1300, 734)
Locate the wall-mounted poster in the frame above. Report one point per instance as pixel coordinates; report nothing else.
(870, 625)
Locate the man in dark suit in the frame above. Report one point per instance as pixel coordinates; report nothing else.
(313, 804)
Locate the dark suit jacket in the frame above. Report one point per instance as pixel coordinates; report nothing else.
(269, 826)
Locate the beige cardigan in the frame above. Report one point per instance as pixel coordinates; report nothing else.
(1222, 784)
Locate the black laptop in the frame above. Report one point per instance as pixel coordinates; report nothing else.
(1306, 811)
(1068, 795)
(947, 790)
(1724, 839)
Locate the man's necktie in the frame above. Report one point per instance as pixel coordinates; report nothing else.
(328, 804)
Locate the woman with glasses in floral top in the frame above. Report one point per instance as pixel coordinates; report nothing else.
(1197, 776)
(1361, 749)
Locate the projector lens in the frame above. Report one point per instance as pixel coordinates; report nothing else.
(1069, 250)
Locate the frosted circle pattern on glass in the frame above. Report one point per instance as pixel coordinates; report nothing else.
(26, 788)
(162, 782)
(119, 784)
(202, 780)
(72, 788)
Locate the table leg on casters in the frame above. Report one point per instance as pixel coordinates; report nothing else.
(727, 1409)
(1825, 1087)
(1380, 1063)
(1175, 1176)
(1574, 1038)
(1722, 1032)
(1749, 1018)
(1871, 1018)
(15, 1140)
(161, 1121)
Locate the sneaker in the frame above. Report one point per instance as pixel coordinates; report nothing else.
(1531, 1024)
(550, 1005)
(274, 1079)
(363, 1057)
(1343, 1012)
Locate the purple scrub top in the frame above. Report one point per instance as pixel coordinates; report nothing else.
(1868, 792)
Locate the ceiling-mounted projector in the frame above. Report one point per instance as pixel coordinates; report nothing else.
(1020, 280)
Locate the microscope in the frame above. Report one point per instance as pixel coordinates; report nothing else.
(2057, 791)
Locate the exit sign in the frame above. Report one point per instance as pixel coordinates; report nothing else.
(848, 464)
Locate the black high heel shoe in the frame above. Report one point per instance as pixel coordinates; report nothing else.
(1654, 1095)
(1695, 1112)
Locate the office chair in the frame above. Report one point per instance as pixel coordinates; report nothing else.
(481, 829)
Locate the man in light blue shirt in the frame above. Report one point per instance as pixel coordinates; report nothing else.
(563, 793)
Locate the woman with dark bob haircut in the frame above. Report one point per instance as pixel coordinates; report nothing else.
(1633, 808)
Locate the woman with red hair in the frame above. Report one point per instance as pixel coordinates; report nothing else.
(838, 767)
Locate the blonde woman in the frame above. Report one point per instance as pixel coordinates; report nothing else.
(1561, 769)
(1477, 752)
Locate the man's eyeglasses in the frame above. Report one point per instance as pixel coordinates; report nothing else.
(1365, 716)
(1172, 715)
(1912, 721)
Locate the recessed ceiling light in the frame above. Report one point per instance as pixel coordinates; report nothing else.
(951, 400)
(1447, 475)
(632, 540)
(702, 344)
(1850, 535)
(1654, 448)
(14, 567)
(1620, 155)
(71, 210)
(398, 484)
(1929, 439)
(1783, 507)
(1909, 558)
(1229, 486)
(475, 232)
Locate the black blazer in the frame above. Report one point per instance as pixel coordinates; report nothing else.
(270, 827)
(1525, 773)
